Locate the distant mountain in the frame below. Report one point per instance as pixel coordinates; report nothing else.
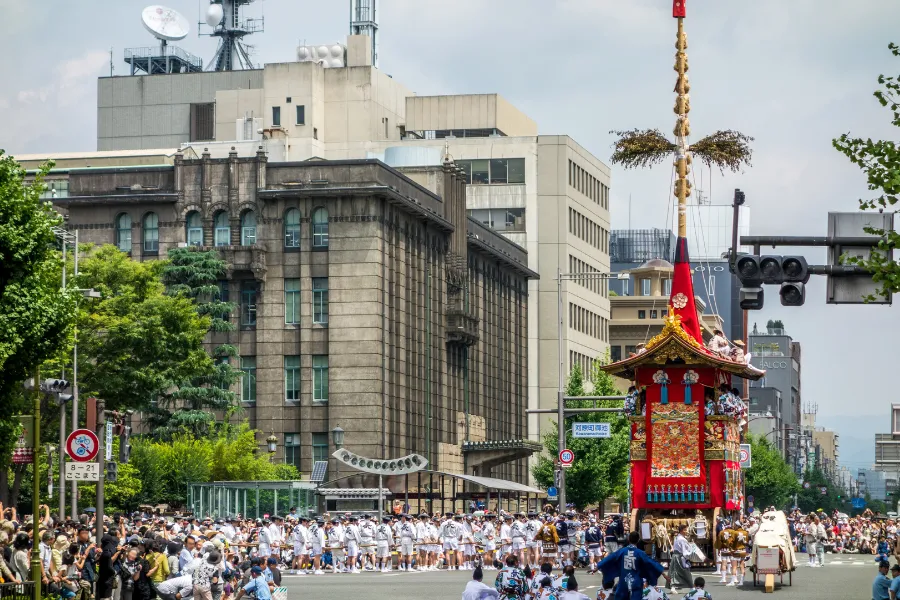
(857, 437)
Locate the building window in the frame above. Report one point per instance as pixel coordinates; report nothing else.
(319, 447)
(248, 228)
(301, 114)
(222, 231)
(248, 303)
(501, 219)
(276, 116)
(615, 353)
(224, 294)
(315, 133)
(320, 228)
(292, 449)
(151, 233)
(248, 381)
(642, 314)
(667, 287)
(292, 228)
(203, 122)
(654, 314)
(292, 378)
(320, 300)
(194, 229)
(123, 232)
(645, 287)
(493, 171)
(291, 301)
(320, 378)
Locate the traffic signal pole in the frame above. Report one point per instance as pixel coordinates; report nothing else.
(101, 467)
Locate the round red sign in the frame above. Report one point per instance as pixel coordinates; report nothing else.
(82, 445)
(566, 456)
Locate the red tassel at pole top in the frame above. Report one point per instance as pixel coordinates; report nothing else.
(678, 9)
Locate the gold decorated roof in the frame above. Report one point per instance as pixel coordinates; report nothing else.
(674, 346)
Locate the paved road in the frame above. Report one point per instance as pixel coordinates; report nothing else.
(846, 577)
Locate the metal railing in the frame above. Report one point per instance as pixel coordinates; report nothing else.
(156, 51)
(17, 591)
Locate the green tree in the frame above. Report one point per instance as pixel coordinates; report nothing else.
(811, 497)
(34, 314)
(193, 274)
(601, 466)
(136, 343)
(770, 480)
(880, 161)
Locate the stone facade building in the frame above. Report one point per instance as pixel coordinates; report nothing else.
(366, 299)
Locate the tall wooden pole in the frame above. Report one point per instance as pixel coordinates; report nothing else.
(682, 129)
(36, 490)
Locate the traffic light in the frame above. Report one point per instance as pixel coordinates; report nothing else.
(112, 472)
(796, 274)
(125, 445)
(749, 272)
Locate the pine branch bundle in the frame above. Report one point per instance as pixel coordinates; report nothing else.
(724, 149)
(641, 148)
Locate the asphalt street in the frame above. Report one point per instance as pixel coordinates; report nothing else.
(846, 576)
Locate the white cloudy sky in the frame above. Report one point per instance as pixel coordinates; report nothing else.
(793, 74)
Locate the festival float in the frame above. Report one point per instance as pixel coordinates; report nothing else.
(686, 424)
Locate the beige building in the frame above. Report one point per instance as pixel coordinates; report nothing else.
(544, 192)
(828, 443)
(636, 319)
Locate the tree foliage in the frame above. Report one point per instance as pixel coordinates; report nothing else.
(232, 454)
(136, 343)
(35, 314)
(811, 498)
(880, 161)
(770, 480)
(192, 274)
(601, 466)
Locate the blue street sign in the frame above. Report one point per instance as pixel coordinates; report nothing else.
(859, 503)
(552, 492)
(591, 430)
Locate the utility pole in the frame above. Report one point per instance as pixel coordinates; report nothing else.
(101, 466)
(36, 488)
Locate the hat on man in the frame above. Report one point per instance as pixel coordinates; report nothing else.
(256, 570)
(738, 343)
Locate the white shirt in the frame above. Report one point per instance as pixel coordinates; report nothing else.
(505, 533)
(475, 590)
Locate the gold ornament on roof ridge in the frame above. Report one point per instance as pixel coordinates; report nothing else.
(672, 326)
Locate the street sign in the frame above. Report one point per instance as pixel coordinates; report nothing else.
(82, 445)
(591, 430)
(858, 503)
(566, 457)
(805, 485)
(823, 490)
(746, 459)
(82, 471)
(552, 493)
(109, 440)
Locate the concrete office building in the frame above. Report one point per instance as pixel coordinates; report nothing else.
(366, 299)
(887, 447)
(775, 352)
(544, 192)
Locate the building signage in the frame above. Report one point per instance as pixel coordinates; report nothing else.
(774, 364)
(591, 430)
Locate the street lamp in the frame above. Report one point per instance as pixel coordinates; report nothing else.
(337, 436)
(272, 443)
(768, 415)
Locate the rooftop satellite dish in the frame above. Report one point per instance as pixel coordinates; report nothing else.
(165, 23)
(214, 15)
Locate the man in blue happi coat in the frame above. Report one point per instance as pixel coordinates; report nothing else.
(632, 566)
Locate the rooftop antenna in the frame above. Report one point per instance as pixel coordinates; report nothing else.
(364, 21)
(166, 25)
(224, 16)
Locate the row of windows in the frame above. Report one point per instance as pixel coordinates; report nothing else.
(642, 287)
(493, 170)
(588, 322)
(583, 228)
(292, 303)
(654, 314)
(291, 379)
(588, 185)
(300, 114)
(582, 360)
(222, 230)
(500, 219)
(292, 448)
(595, 284)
